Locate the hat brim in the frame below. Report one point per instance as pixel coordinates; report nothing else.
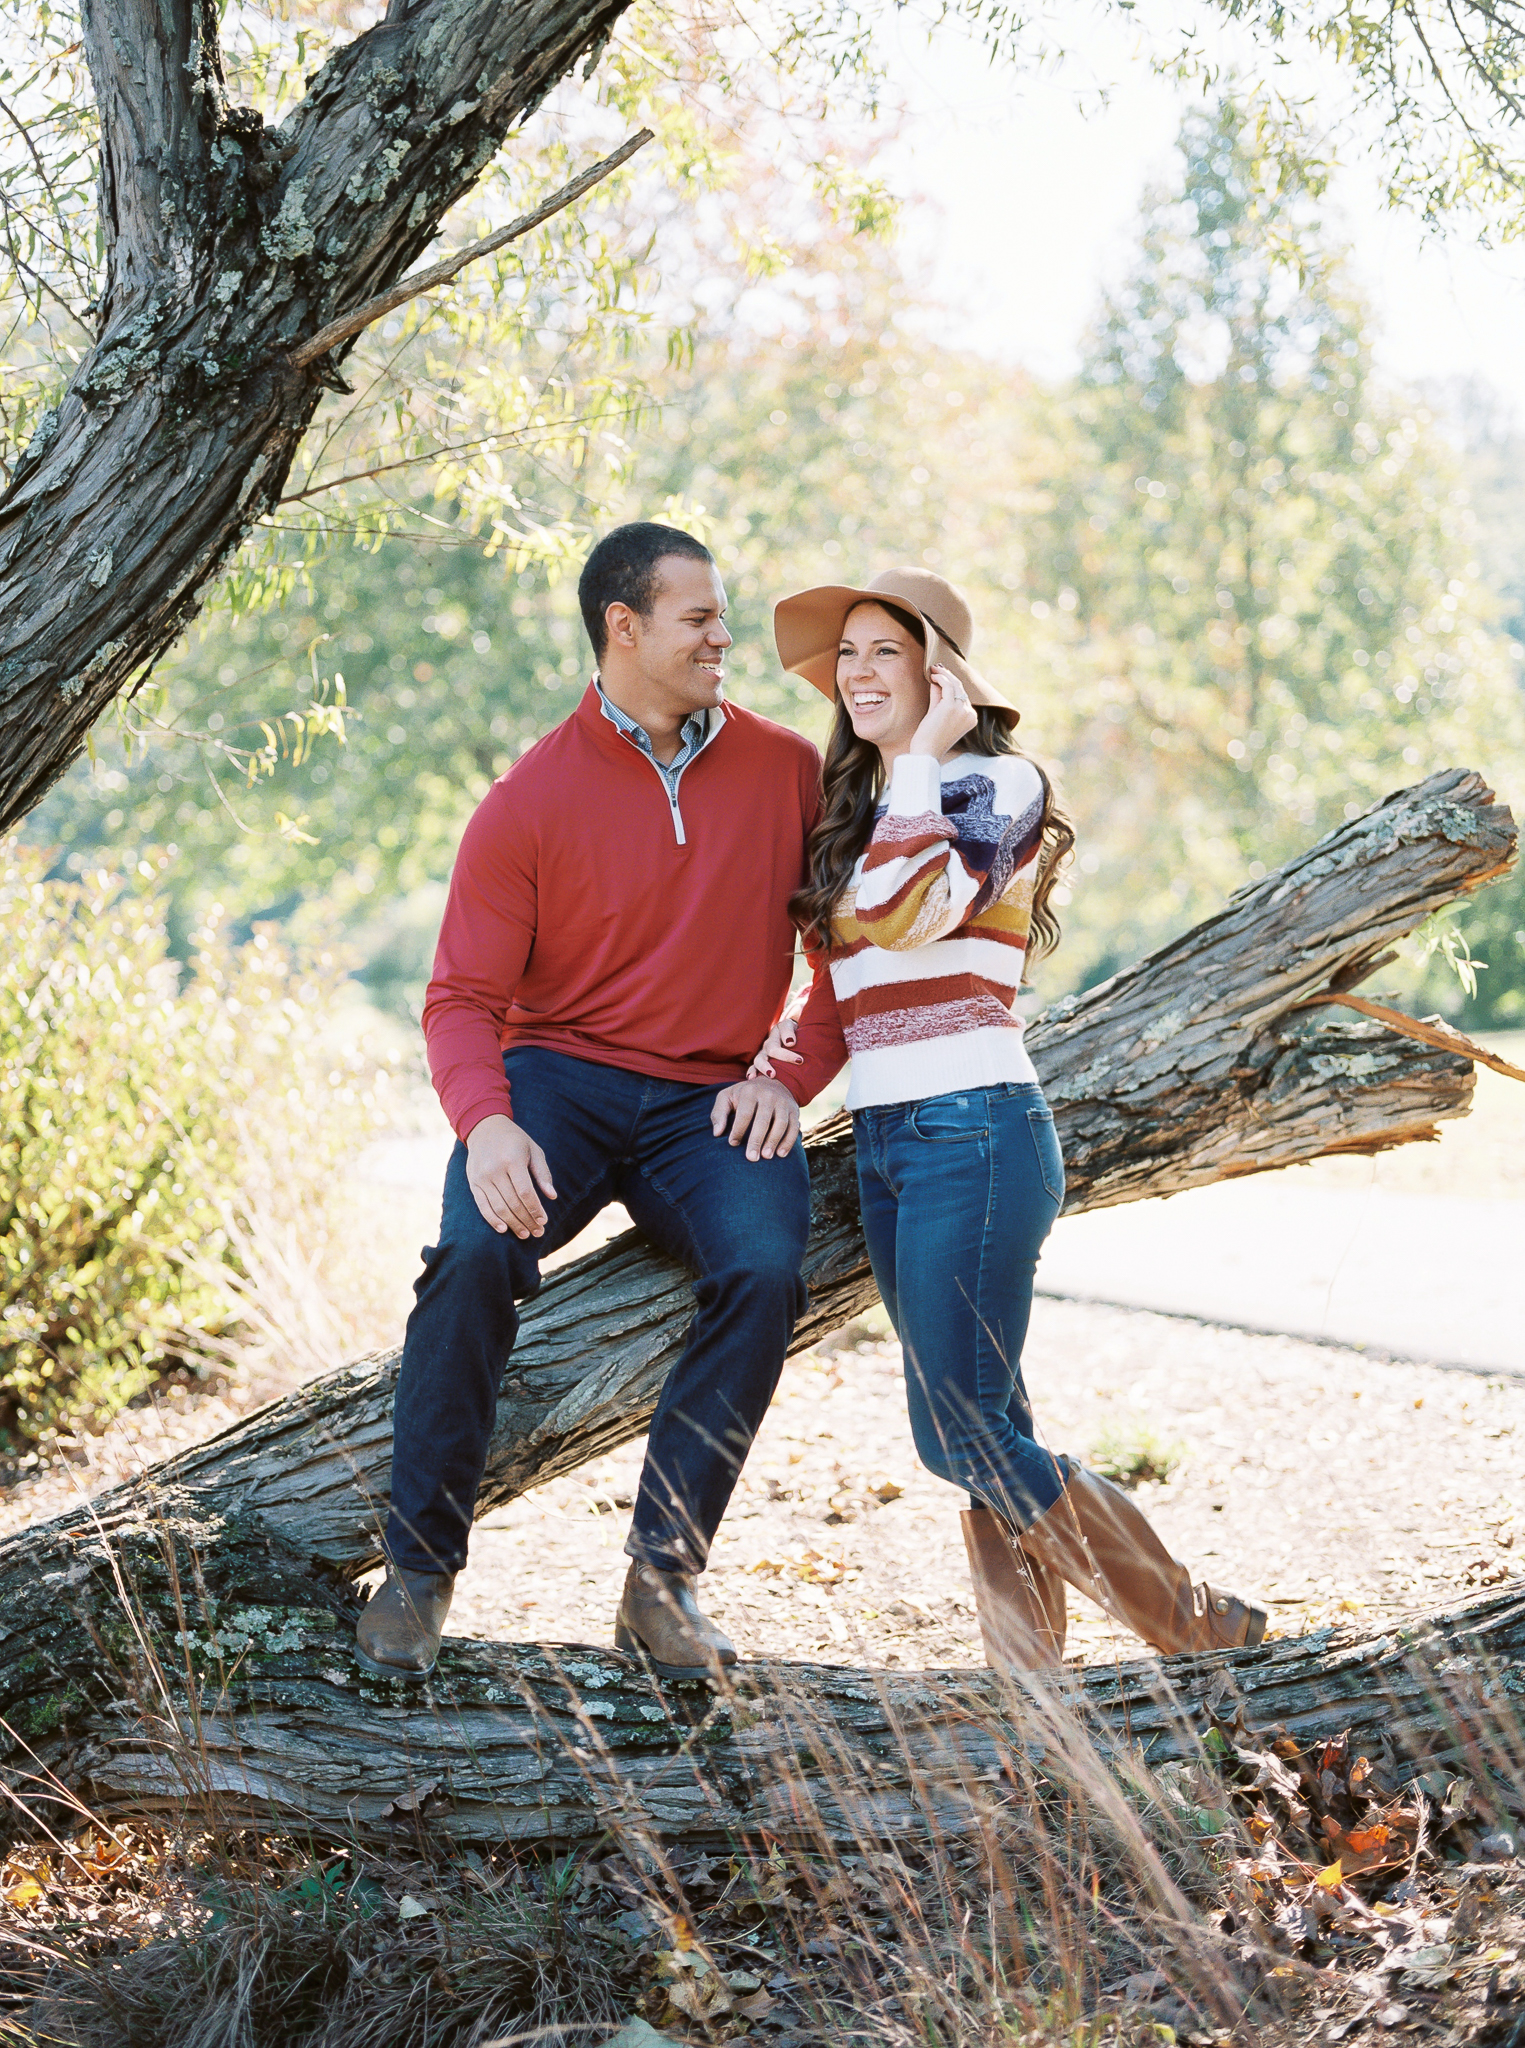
(807, 629)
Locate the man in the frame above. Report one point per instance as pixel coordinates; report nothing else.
(615, 946)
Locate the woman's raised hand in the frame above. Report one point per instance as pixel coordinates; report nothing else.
(948, 718)
(776, 1046)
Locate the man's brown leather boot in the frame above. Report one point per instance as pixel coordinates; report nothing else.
(660, 1621)
(1020, 1602)
(1104, 1544)
(398, 1633)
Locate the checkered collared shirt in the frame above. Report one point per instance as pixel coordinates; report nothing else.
(696, 728)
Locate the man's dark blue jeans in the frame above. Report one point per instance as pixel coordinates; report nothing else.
(739, 1225)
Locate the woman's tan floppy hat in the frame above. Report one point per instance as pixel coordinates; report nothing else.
(808, 629)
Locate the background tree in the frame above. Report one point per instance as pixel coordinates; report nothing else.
(1230, 574)
(1267, 556)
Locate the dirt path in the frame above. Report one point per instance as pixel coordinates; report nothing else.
(1325, 1482)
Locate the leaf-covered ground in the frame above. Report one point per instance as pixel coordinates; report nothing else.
(1043, 1929)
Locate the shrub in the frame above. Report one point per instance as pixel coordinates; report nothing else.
(1132, 1452)
(124, 1081)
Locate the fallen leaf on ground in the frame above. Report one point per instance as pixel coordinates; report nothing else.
(637, 2034)
(701, 1998)
(100, 1853)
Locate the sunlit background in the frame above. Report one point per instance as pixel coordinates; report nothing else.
(1124, 336)
(1229, 465)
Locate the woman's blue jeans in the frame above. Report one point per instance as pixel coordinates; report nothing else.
(958, 1194)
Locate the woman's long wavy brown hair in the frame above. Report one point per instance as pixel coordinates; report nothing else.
(852, 778)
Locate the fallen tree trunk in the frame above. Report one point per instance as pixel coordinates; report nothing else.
(148, 1628)
(264, 1716)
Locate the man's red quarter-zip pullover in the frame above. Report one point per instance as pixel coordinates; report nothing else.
(590, 913)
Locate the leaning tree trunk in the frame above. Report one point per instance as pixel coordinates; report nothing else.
(227, 245)
(194, 1629)
(1193, 1066)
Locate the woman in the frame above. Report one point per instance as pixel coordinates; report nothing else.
(931, 869)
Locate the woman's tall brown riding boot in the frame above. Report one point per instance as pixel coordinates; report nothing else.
(1020, 1602)
(1099, 1540)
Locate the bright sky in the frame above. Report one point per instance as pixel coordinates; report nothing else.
(1033, 204)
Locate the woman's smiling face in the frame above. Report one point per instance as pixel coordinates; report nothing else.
(881, 676)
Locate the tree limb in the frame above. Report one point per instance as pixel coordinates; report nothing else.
(228, 246)
(437, 274)
(1427, 1030)
(157, 72)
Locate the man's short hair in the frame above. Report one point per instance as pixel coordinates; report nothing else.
(622, 569)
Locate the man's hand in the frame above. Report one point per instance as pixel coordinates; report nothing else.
(504, 1166)
(762, 1112)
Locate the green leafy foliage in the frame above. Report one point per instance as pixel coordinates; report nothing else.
(1442, 78)
(448, 665)
(122, 1087)
(1132, 1451)
(1235, 583)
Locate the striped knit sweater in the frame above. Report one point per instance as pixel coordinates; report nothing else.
(929, 938)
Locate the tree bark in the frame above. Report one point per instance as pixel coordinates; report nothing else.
(219, 1678)
(1192, 1066)
(199, 1621)
(226, 245)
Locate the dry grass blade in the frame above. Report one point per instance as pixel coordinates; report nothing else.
(972, 1872)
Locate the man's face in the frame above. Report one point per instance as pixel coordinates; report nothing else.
(678, 651)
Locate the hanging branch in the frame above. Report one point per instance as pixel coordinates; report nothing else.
(440, 273)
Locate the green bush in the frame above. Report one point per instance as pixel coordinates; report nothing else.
(127, 1087)
(1133, 1452)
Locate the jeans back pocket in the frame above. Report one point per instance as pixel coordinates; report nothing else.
(1040, 1121)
